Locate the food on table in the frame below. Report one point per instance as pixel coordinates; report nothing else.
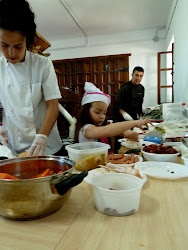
(91, 162)
(160, 149)
(114, 212)
(122, 159)
(24, 154)
(160, 129)
(126, 169)
(7, 176)
(47, 172)
(130, 144)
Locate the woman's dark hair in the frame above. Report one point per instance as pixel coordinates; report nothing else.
(16, 15)
(84, 117)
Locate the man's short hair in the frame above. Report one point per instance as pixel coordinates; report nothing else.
(138, 68)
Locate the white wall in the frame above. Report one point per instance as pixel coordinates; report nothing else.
(179, 27)
(140, 44)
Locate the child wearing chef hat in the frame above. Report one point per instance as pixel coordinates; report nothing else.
(92, 120)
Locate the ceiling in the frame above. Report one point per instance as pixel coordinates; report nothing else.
(72, 19)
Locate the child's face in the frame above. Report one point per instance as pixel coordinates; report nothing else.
(13, 45)
(98, 112)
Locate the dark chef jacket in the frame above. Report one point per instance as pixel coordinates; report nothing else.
(130, 99)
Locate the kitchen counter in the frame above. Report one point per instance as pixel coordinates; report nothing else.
(160, 223)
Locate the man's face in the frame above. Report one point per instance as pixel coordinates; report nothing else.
(137, 77)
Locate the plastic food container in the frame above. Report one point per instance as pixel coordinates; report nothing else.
(185, 158)
(159, 157)
(117, 194)
(88, 155)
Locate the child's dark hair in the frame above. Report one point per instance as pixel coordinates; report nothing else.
(84, 118)
(16, 15)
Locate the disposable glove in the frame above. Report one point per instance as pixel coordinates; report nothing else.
(3, 136)
(127, 117)
(38, 146)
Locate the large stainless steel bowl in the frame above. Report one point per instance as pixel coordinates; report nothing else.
(25, 198)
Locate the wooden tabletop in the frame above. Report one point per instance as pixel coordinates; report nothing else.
(160, 223)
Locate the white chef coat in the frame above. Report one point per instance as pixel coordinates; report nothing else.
(24, 88)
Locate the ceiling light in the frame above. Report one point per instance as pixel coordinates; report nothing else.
(156, 37)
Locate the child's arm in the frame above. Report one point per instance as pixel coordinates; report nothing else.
(131, 135)
(114, 129)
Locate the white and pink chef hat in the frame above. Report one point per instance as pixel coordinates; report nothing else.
(94, 94)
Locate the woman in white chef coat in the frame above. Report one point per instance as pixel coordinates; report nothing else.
(29, 91)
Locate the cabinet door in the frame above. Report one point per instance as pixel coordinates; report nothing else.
(100, 76)
(81, 72)
(118, 73)
(108, 73)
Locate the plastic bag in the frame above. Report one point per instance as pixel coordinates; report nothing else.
(174, 125)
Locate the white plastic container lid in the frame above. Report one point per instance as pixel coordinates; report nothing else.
(84, 147)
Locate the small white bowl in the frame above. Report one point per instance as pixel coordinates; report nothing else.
(185, 158)
(117, 194)
(159, 157)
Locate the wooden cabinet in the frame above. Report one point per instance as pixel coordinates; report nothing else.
(71, 102)
(108, 73)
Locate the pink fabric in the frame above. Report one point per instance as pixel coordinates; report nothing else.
(104, 140)
(98, 93)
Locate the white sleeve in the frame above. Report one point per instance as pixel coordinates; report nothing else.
(81, 136)
(49, 82)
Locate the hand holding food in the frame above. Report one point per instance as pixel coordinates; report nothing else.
(3, 136)
(38, 146)
(132, 136)
(142, 122)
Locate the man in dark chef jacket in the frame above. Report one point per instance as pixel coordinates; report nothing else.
(130, 96)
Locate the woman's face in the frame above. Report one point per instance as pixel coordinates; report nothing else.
(13, 45)
(98, 112)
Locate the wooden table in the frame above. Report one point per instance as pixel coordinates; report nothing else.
(160, 223)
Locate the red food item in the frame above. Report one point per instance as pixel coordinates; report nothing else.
(7, 176)
(44, 174)
(160, 149)
(122, 159)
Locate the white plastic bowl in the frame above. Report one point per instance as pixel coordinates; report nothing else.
(159, 157)
(117, 194)
(185, 158)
